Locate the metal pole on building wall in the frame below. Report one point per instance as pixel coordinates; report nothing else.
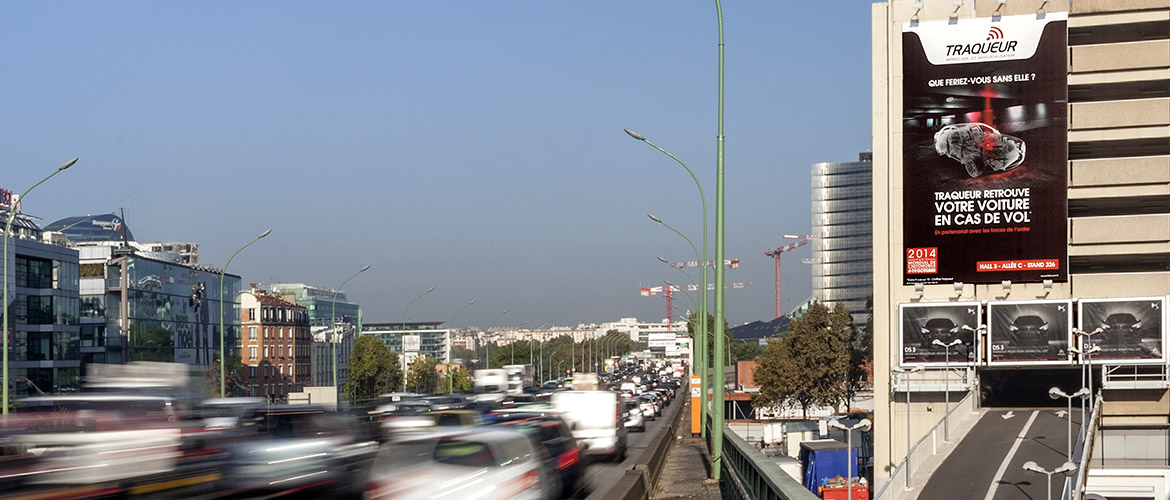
(4, 304)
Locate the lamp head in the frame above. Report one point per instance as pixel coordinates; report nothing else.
(265, 233)
(919, 288)
(635, 135)
(429, 290)
(364, 268)
(1056, 393)
(864, 425)
(1067, 469)
(958, 288)
(654, 218)
(664, 261)
(67, 164)
(1007, 285)
(1032, 467)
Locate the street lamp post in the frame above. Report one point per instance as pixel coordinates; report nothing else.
(1085, 354)
(1088, 348)
(1067, 468)
(700, 338)
(863, 426)
(902, 373)
(411, 303)
(947, 386)
(703, 258)
(450, 379)
(333, 321)
(1056, 393)
(4, 305)
(222, 358)
(486, 348)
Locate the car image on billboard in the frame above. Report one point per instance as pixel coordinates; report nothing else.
(1029, 332)
(1126, 330)
(925, 326)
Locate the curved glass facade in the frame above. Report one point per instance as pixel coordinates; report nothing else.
(842, 225)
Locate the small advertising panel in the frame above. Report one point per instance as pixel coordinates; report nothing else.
(1029, 332)
(1127, 330)
(985, 149)
(411, 343)
(924, 326)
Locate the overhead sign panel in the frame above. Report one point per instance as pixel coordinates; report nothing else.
(985, 149)
(1127, 330)
(1029, 332)
(922, 327)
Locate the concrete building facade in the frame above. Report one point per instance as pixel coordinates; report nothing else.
(1118, 209)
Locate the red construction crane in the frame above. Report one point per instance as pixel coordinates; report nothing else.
(802, 240)
(669, 291)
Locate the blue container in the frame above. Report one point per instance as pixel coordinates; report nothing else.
(824, 459)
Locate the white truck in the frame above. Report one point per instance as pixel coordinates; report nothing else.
(519, 378)
(490, 384)
(596, 418)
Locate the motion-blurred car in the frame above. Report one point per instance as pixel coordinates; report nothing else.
(563, 451)
(632, 412)
(980, 148)
(284, 448)
(485, 463)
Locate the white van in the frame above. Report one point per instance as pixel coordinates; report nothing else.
(595, 418)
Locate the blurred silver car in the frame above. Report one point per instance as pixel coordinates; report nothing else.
(285, 448)
(486, 463)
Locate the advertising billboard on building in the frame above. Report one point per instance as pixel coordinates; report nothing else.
(924, 326)
(1029, 332)
(985, 149)
(411, 342)
(1126, 330)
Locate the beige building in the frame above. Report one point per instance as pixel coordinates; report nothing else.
(1118, 205)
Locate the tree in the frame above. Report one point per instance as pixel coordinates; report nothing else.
(233, 377)
(745, 351)
(463, 353)
(809, 365)
(457, 379)
(423, 377)
(861, 354)
(372, 370)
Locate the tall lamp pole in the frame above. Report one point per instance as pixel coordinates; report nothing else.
(450, 379)
(902, 373)
(222, 358)
(702, 355)
(411, 303)
(486, 347)
(1067, 469)
(947, 385)
(720, 292)
(7, 234)
(333, 320)
(1056, 393)
(862, 426)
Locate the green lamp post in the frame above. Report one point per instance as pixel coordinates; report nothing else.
(222, 343)
(411, 303)
(333, 320)
(7, 234)
(450, 379)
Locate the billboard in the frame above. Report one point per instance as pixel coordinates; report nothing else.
(1127, 330)
(411, 343)
(985, 149)
(921, 325)
(1029, 332)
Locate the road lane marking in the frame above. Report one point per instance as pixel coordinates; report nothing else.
(1006, 460)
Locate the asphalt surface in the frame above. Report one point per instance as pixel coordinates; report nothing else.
(988, 463)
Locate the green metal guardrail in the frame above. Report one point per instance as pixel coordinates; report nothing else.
(752, 476)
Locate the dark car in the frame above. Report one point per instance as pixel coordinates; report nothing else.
(564, 452)
(290, 448)
(1030, 330)
(942, 329)
(1121, 329)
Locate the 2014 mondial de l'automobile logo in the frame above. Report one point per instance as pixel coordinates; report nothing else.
(994, 44)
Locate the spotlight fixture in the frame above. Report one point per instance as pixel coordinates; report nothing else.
(919, 288)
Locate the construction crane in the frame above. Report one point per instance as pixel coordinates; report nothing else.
(802, 240)
(670, 290)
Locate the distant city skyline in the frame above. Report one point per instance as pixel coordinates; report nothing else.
(475, 148)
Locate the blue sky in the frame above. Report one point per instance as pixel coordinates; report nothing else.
(472, 146)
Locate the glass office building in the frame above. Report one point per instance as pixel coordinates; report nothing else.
(842, 229)
(43, 350)
(413, 339)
